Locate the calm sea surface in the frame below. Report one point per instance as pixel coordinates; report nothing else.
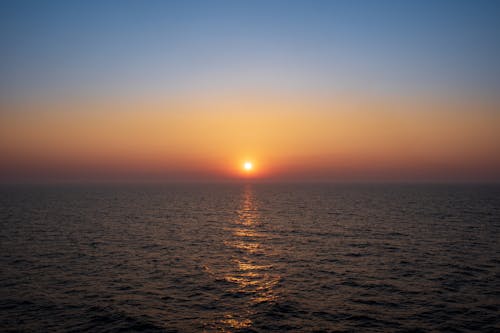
(250, 258)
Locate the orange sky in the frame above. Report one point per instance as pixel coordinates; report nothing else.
(340, 138)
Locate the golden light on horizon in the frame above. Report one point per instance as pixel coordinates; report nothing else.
(288, 138)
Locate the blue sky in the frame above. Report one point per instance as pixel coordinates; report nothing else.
(81, 48)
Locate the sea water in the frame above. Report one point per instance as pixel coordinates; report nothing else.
(250, 258)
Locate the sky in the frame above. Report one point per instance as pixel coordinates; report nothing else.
(305, 90)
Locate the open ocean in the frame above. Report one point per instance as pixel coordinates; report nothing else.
(250, 258)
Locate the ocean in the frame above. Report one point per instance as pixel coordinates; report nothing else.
(250, 258)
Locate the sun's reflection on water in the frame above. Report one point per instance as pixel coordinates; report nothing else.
(250, 275)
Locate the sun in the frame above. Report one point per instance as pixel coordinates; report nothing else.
(248, 166)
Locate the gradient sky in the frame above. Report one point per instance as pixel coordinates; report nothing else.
(307, 90)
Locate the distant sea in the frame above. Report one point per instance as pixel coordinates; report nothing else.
(250, 258)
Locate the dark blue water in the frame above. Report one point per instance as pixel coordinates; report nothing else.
(250, 258)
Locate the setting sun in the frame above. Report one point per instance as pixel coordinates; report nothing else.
(248, 166)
